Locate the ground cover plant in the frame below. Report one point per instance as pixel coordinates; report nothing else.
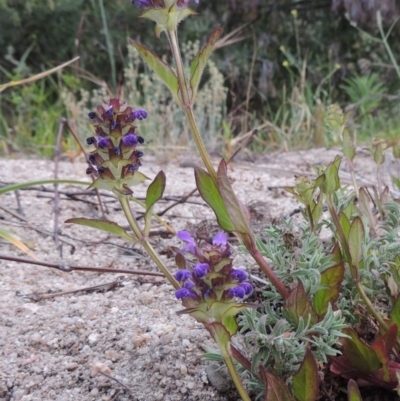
(324, 321)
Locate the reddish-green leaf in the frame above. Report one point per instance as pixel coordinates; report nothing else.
(104, 225)
(356, 239)
(162, 69)
(361, 356)
(297, 305)
(239, 215)
(200, 61)
(337, 253)
(353, 393)
(381, 353)
(209, 192)
(275, 389)
(305, 381)
(390, 337)
(331, 279)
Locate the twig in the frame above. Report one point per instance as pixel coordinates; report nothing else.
(116, 380)
(101, 287)
(56, 194)
(69, 268)
(19, 209)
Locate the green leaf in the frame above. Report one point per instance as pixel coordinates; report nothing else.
(229, 322)
(345, 224)
(155, 190)
(380, 351)
(209, 192)
(104, 225)
(305, 381)
(332, 182)
(395, 314)
(297, 305)
(353, 393)
(316, 208)
(239, 215)
(360, 355)
(275, 388)
(200, 61)
(356, 239)
(331, 279)
(162, 69)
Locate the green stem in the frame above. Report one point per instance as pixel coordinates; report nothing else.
(146, 244)
(233, 372)
(187, 104)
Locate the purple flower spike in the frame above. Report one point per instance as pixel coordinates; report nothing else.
(110, 111)
(220, 239)
(182, 275)
(183, 293)
(248, 288)
(238, 292)
(238, 275)
(201, 269)
(130, 140)
(103, 143)
(139, 114)
(191, 243)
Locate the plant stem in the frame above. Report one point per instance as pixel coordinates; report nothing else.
(233, 372)
(124, 200)
(269, 272)
(187, 103)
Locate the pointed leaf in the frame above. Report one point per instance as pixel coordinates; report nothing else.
(200, 61)
(239, 215)
(209, 192)
(305, 381)
(380, 351)
(349, 149)
(275, 388)
(316, 208)
(353, 393)
(104, 225)
(297, 305)
(356, 239)
(229, 322)
(345, 224)
(332, 182)
(162, 69)
(155, 190)
(360, 355)
(395, 314)
(389, 337)
(331, 279)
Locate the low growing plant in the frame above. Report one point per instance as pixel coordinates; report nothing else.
(329, 305)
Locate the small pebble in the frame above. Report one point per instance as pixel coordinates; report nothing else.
(72, 366)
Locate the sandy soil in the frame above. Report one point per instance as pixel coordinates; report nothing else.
(56, 348)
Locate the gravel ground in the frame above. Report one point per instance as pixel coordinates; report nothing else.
(125, 342)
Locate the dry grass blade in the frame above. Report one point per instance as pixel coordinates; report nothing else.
(37, 76)
(232, 37)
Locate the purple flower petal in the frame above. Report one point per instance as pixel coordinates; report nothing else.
(220, 239)
(183, 293)
(183, 275)
(238, 291)
(248, 288)
(130, 140)
(103, 143)
(139, 114)
(238, 275)
(201, 269)
(189, 285)
(191, 243)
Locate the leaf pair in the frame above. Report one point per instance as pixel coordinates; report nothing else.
(167, 74)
